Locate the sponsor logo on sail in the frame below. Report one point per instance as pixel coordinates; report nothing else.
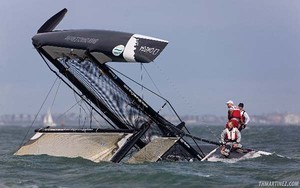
(118, 50)
(146, 49)
(86, 40)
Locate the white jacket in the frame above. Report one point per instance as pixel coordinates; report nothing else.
(232, 136)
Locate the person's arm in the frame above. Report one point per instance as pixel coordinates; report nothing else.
(239, 136)
(223, 136)
(247, 118)
(230, 113)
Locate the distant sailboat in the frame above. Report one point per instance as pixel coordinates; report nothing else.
(48, 120)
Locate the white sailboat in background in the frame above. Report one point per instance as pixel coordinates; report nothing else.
(48, 120)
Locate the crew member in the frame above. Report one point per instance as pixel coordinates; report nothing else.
(230, 139)
(234, 114)
(244, 117)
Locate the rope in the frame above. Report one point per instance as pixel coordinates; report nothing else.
(149, 91)
(152, 81)
(142, 86)
(185, 100)
(55, 94)
(35, 117)
(85, 100)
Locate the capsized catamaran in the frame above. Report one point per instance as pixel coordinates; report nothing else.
(138, 133)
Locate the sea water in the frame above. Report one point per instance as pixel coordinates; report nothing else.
(277, 163)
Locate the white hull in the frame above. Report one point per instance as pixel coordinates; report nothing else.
(92, 146)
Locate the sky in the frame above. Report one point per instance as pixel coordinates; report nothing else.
(245, 51)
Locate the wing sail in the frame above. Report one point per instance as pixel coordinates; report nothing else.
(50, 24)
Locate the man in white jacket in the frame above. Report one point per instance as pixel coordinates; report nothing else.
(244, 117)
(230, 138)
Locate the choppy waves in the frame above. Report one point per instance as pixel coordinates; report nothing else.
(275, 160)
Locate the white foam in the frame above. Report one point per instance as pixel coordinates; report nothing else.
(194, 174)
(264, 153)
(224, 160)
(250, 155)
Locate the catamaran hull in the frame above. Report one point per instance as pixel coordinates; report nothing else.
(92, 146)
(105, 145)
(215, 153)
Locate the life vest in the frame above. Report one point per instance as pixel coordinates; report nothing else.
(231, 135)
(234, 112)
(235, 123)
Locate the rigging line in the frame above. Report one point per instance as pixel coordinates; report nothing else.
(85, 100)
(36, 115)
(79, 104)
(81, 107)
(152, 80)
(172, 109)
(92, 108)
(91, 117)
(84, 117)
(78, 101)
(90, 113)
(208, 127)
(55, 93)
(147, 90)
(142, 89)
(194, 141)
(211, 131)
(69, 109)
(142, 86)
(79, 116)
(174, 87)
(137, 83)
(201, 139)
(198, 146)
(170, 106)
(99, 113)
(185, 99)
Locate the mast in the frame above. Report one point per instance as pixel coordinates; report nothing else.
(83, 89)
(137, 100)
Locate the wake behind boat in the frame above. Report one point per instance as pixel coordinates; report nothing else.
(235, 155)
(137, 132)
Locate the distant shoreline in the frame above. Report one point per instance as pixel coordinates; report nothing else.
(274, 119)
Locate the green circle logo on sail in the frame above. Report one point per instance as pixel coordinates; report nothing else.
(118, 50)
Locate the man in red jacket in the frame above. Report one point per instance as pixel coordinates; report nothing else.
(234, 114)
